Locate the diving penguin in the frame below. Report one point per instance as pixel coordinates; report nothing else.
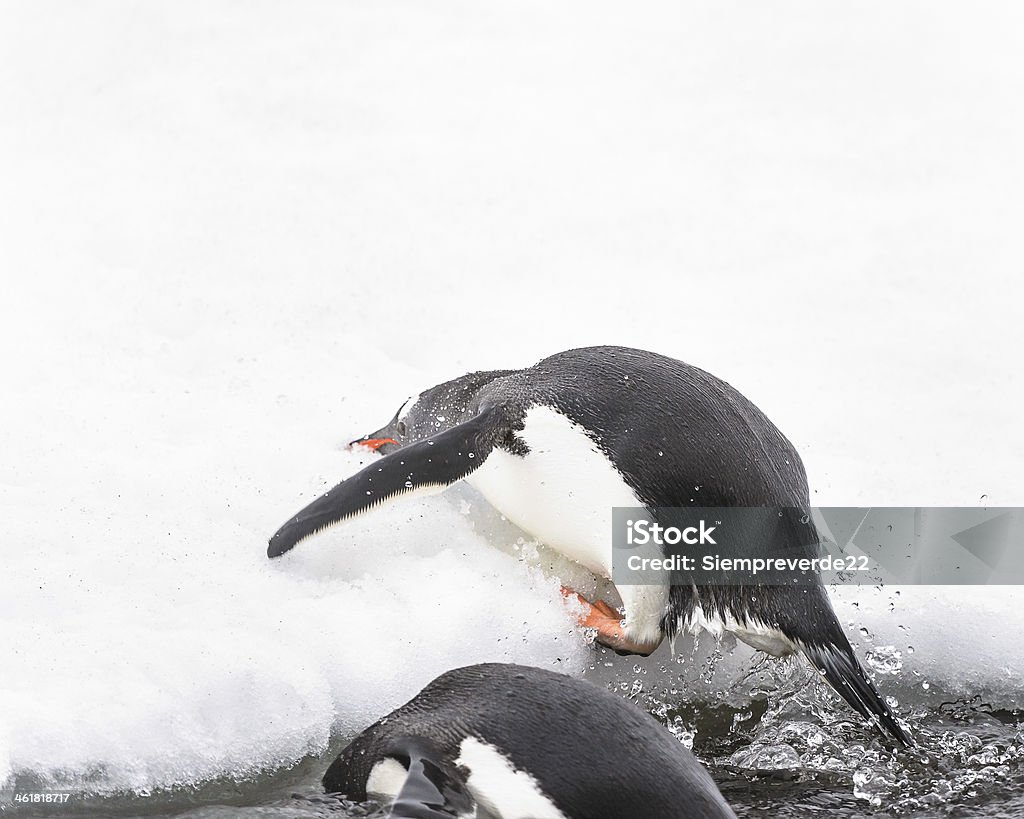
(510, 741)
(555, 447)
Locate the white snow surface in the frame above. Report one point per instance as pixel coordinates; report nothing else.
(234, 236)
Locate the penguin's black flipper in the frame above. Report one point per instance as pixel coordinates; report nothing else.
(840, 667)
(434, 463)
(433, 789)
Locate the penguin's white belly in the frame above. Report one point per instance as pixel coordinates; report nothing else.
(500, 788)
(562, 492)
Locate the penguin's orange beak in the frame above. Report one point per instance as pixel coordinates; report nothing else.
(375, 443)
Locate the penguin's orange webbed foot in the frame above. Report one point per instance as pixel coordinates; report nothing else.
(607, 610)
(607, 622)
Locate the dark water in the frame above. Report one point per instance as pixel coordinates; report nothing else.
(778, 742)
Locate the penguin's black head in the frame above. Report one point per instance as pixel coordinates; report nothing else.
(417, 419)
(389, 437)
(430, 412)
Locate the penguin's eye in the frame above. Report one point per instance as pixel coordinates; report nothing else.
(401, 427)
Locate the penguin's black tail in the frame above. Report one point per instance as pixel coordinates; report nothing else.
(839, 666)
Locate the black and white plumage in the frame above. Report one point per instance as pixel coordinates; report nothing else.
(514, 742)
(556, 446)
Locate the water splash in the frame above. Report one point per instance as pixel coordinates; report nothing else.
(776, 719)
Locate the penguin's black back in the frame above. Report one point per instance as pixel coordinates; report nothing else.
(679, 435)
(594, 755)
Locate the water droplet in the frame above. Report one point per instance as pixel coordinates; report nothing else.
(872, 785)
(885, 660)
(767, 757)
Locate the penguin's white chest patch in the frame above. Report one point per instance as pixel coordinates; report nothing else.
(499, 787)
(562, 492)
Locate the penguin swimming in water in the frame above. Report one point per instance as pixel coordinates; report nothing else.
(555, 447)
(512, 741)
